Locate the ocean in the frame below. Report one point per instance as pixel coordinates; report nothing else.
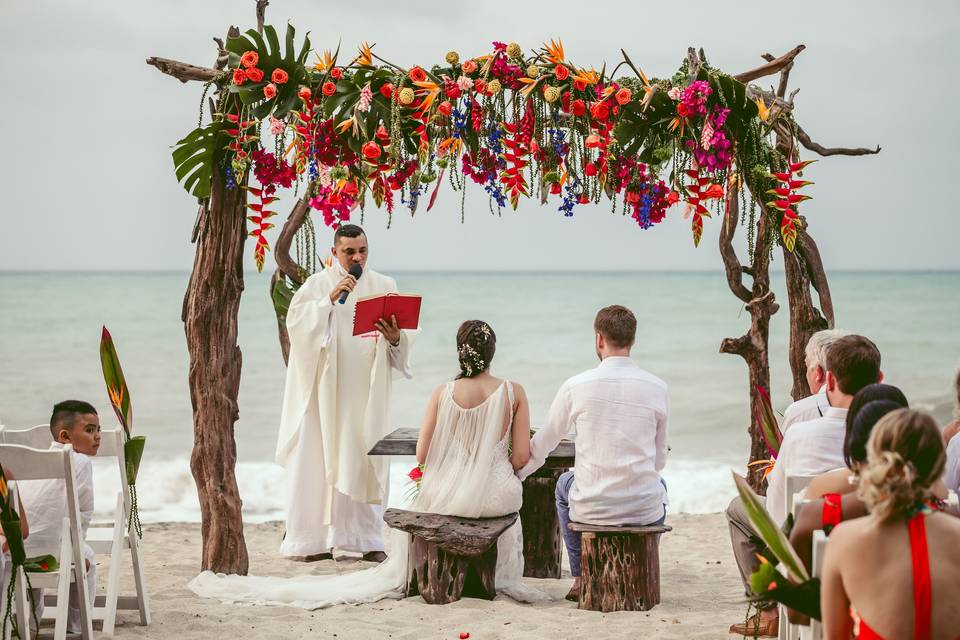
(50, 330)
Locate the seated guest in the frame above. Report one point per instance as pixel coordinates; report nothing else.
(815, 357)
(620, 413)
(954, 427)
(75, 423)
(878, 579)
(808, 448)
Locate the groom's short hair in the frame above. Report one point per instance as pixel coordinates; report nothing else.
(617, 325)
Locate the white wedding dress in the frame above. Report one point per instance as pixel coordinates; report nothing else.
(467, 473)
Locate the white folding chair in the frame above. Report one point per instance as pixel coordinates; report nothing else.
(56, 464)
(819, 550)
(793, 488)
(21, 603)
(113, 539)
(38, 437)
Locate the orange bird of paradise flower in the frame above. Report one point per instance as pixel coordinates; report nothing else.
(365, 59)
(326, 62)
(588, 77)
(554, 51)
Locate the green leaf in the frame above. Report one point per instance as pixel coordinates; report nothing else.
(768, 531)
(803, 598)
(282, 296)
(196, 155)
(117, 390)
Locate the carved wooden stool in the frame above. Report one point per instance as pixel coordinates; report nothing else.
(619, 567)
(450, 557)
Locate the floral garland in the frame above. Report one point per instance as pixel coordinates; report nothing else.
(519, 125)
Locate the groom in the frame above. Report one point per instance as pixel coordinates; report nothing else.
(620, 413)
(336, 406)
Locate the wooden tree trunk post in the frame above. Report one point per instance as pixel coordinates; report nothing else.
(210, 323)
(542, 540)
(287, 267)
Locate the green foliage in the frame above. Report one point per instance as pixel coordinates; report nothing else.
(768, 531)
(282, 295)
(271, 57)
(117, 390)
(195, 156)
(769, 584)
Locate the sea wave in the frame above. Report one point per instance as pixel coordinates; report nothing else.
(166, 491)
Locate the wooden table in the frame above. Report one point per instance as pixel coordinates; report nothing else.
(542, 541)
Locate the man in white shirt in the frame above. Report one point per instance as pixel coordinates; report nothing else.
(808, 448)
(815, 355)
(620, 414)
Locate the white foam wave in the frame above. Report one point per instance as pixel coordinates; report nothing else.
(167, 493)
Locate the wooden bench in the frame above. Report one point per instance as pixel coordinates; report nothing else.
(619, 567)
(450, 557)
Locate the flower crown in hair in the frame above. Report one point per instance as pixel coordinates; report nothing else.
(471, 362)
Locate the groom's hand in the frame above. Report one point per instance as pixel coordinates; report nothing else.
(389, 330)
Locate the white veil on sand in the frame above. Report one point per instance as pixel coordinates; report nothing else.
(467, 473)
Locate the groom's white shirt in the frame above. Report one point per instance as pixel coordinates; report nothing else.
(620, 415)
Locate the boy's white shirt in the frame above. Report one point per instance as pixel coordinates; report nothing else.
(45, 502)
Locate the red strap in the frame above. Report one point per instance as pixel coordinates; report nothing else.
(832, 513)
(922, 597)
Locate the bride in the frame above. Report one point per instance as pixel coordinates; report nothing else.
(468, 470)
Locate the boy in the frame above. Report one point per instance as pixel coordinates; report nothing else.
(76, 423)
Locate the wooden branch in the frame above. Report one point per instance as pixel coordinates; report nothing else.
(261, 14)
(728, 229)
(773, 66)
(816, 273)
(281, 249)
(183, 71)
(769, 97)
(693, 66)
(832, 151)
(784, 78)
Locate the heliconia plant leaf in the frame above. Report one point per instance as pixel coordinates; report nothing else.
(767, 420)
(788, 231)
(697, 226)
(799, 166)
(768, 530)
(117, 390)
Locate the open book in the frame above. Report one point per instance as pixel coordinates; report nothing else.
(406, 307)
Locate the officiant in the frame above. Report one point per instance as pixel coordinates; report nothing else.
(336, 406)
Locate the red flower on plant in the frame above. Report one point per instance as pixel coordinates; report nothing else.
(239, 77)
(445, 108)
(371, 150)
(565, 101)
(590, 169)
(624, 95)
(480, 86)
(579, 85)
(673, 197)
(578, 108)
(386, 90)
(600, 111)
(254, 74)
(416, 474)
(336, 73)
(305, 94)
(417, 74)
(279, 76)
(270, 91)
(250, 59)
(561, 72)
(469, 66)
(592, 141)
(682, 109)
(329, 88)
(44, 566)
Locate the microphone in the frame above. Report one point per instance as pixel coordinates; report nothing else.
(356, 271)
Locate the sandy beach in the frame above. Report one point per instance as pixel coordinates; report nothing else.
(700, 597)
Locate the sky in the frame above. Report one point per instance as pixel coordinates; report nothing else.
(89, 181)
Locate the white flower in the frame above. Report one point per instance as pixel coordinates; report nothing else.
(674, 93)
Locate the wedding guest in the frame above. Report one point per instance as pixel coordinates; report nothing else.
(76, 423)
(619, 412)
(878, 581)
(808, 448)
(954, 427)
(815, 357)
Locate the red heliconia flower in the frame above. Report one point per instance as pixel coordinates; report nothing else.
(578, 108)
(386, 90)
(270, 91)
(239, 77)
(254, 74)
(336, 73)
(371, 150)
(279, 76)
(417, 74)
(329, 88)
(561, 72)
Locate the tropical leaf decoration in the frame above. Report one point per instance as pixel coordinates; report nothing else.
(768, 530)
(786, 199)
(282, 295)
(270, 57)
(769, 584)
(116, 384)
(195, 156)
(769, 428)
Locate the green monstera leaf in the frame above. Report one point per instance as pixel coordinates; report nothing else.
(196, 155)
(271, 56)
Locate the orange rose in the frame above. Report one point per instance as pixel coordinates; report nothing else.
(254, 74)
(561, 72)
(371, 150)
(469, 66)
(270, 91)
(579, 85)
(249, 59)
(417, 74)
(336, 73)
(624, 95)
(279, 76)
(329, 89)
(239, 77)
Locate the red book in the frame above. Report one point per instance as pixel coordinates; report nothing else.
(405, 307)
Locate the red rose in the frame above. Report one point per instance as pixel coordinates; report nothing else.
(350, 189)
(305, 94)
(382, 135)
(386, 90)
(445, 108)
(565, 101)
(417, 74)
(683, 110)
(624, 95)
(600, 111)
(590, 169)
(561, 72)
(329, 88)
(469, 67)
(279, 76)
(415, 474)
(673, 197)
(451, 90)
(578, 108)
(480, 86)
(371, 150)
(579, 85)
(239, 77)
(336, 73)
(249, 59)
(254, 74)
(270, 91)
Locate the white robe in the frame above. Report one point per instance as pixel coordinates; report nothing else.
(336, 406)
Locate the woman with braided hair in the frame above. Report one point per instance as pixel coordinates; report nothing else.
(896, 572)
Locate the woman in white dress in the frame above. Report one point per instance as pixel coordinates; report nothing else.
(468, 470)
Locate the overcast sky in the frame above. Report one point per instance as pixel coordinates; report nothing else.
(89, 184)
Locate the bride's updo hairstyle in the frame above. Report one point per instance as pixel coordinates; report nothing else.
(905, 457)
(476, 344)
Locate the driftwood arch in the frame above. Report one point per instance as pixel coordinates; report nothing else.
(213, 295)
